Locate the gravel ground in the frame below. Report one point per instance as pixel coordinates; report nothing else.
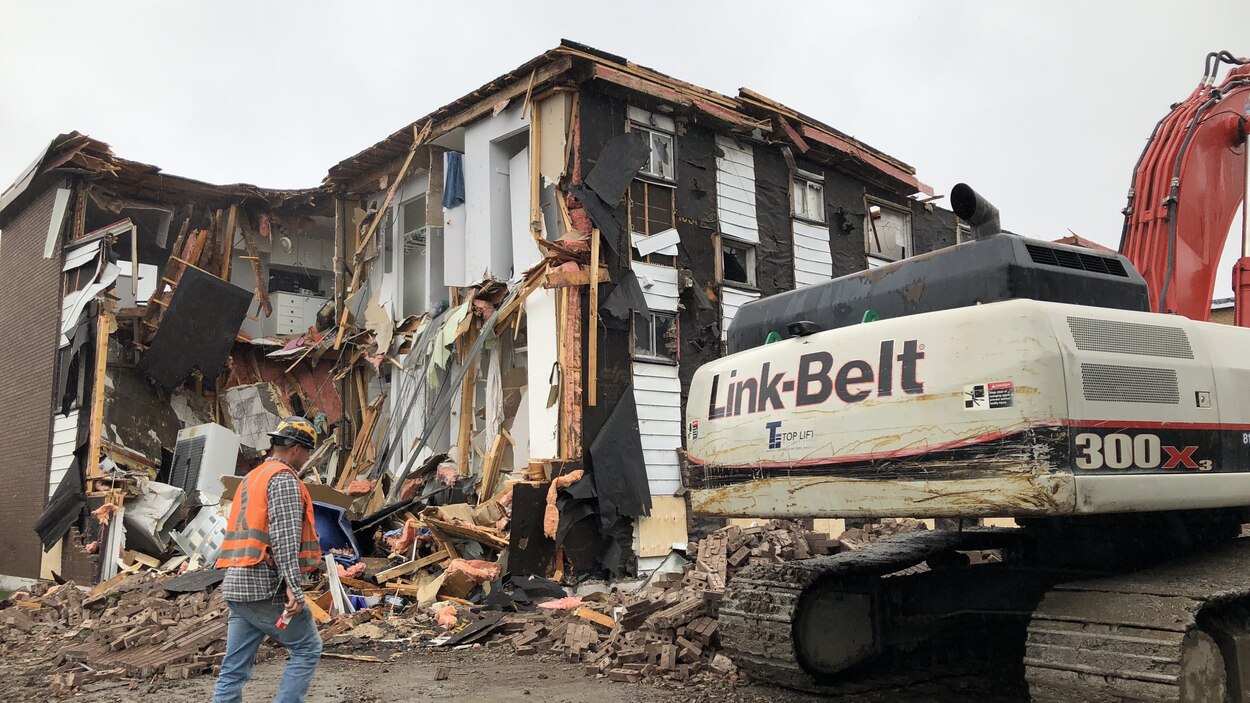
(484, 674)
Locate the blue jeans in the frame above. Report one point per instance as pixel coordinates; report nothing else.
(249, 624)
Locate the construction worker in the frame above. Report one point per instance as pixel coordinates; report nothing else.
(270, 543)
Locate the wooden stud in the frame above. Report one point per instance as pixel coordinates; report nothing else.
(592, 385)
(105, 324)
(228, 242)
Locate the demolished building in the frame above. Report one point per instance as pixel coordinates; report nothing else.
(514, 288)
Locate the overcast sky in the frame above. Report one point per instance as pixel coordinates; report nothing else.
(1044, 107)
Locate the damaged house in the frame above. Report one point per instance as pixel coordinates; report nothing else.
(492, 314)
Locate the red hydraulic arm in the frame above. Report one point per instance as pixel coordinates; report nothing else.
(1187, 187)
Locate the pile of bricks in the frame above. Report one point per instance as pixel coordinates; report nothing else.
(132, 629)
(669, 630)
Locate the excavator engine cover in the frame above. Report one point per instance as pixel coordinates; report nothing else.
(998, 267)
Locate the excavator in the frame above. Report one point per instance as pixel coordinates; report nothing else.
(1081, 392)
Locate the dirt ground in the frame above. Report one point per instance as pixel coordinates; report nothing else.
(486, 674)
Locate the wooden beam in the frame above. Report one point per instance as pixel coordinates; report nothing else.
(536, 205)
(368, 181)
(411, 566)
(105, 325)
(228, 242)
(860, 154)
(581, 277)
(490, 469)
(667, 94)
(794, 136)
(592, 377)
(253, 258)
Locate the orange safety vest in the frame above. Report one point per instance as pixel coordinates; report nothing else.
(247, 532)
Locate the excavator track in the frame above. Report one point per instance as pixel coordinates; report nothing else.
(1137, 636)
(763, 603)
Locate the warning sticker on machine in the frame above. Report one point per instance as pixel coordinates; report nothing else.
(989, 396)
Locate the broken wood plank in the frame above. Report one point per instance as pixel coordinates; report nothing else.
(411, 566)
(490, 469)
(227, 242)
(580, 277)
(595, 616)
(253, 258)
(353, 657)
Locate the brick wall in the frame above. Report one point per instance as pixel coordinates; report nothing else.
(30, 293)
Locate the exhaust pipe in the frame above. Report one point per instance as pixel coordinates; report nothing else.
(978, 212)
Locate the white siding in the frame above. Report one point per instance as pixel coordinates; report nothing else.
(735, 191)
(812, 261)
(731, 300)
(657, 391)
(659, 285)
(64, 434)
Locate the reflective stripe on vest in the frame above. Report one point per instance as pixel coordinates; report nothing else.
(246, 541)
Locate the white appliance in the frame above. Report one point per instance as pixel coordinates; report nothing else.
(203, 454)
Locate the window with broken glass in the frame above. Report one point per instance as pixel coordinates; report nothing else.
(808, 196)
(655, 337)
(652, 210)
(887, 232)
(737, 262)
(661, 162)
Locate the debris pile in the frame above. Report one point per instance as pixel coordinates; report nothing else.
(134, 627)
(144, 623)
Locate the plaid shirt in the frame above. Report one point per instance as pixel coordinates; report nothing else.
(262, 581)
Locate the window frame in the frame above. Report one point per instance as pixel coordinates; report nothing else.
(752, 251)
(647, 187)
(403, 228)
(652, 133)
(808, 180)
(651, 356)
(908, 249)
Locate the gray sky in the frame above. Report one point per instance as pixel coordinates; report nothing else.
(1044, 107)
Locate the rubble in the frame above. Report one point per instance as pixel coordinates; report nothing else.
(144, 623)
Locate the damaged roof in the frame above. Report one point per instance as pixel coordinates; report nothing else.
(79, 154)
(573, 63)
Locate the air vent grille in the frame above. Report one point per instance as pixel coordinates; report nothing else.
(1130, 384)
(188, 456)
(1130, 338)
(1081, 261)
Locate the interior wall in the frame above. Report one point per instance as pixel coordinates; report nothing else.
(487, 193)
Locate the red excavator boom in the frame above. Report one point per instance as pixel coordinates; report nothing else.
(1187, 187)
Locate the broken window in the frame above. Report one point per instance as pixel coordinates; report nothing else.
(660, 165)
(808, 194)
(737, 262)
(652, 210)
(887, 232)
(655, 336)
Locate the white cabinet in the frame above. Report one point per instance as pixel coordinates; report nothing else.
(292, 313)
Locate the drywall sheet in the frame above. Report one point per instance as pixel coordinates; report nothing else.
(541, 358)
(735, 190)
(197, 330)
(253, 411)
